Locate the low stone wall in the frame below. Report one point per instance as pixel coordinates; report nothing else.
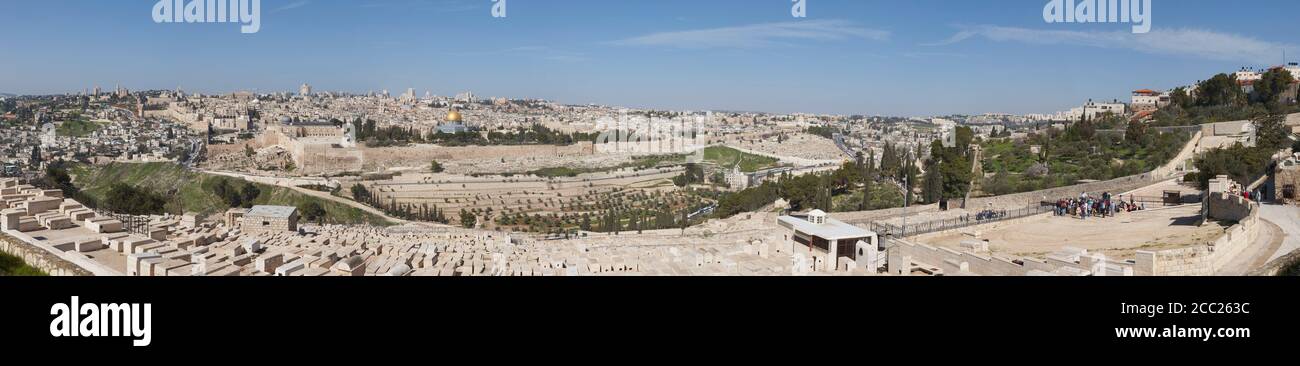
(1230, 207)
(1209, 259)
(1278, 266)
(1114, 186)
(864, 217)
(39, 258)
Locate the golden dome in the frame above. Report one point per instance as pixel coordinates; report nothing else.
(454, 116)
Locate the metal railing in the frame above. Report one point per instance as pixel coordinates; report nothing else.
(130, 223)
(964, 221)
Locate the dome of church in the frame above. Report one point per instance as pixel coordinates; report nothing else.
(454, 116)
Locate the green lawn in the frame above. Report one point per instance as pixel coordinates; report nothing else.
(190, 192)
(77, 128)
(727, 157)
(14, 266)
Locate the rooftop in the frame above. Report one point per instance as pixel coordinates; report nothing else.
(282, 212)
(831, 230)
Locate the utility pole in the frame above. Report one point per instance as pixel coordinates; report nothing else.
(906, 194)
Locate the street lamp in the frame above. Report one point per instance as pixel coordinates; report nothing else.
(906, 193)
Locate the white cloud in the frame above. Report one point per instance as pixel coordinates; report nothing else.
(291, 6)
(758, 35)
(1176, 42)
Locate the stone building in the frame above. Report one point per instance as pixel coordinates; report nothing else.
(1287, 181)
(316, 148)
(262, 219)
(831, 245)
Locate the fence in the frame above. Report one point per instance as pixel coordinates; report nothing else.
(133, 224)
(968, 220)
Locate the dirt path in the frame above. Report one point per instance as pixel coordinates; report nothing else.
(317, 194)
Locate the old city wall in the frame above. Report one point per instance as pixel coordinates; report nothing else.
(421, 155)
(325, 158)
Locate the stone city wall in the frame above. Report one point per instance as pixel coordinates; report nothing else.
(223, 149)
(421, 155)
(325, 158)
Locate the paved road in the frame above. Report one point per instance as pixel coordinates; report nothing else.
(318, 194)
(1286, 217)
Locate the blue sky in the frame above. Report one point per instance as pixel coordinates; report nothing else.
(874, 57)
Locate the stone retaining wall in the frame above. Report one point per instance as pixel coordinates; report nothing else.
(1114, 186)
(1277, 266)
(39, 258)
(1209, 259)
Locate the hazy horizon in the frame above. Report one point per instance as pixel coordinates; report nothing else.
(845, 57)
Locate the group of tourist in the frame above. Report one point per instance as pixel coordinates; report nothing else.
(1104, 206)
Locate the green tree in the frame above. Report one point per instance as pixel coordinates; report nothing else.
(123, 198)
(436, 167)
(312, 211)
(932, 185)
(360, 193)
(468, 219)
(1240, 163)
(1220, 90)
(1271, 86)
(1180, 98)
(1136, 134)
(1272, 132)
(249, 193)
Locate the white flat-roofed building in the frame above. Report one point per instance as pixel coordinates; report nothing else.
(836, 244)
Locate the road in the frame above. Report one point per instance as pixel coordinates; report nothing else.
(1286, 217)
(321, 195)
(839, 142)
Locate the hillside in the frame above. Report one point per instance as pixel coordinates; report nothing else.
(77, 128)
(187, 191)
(727, 157)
